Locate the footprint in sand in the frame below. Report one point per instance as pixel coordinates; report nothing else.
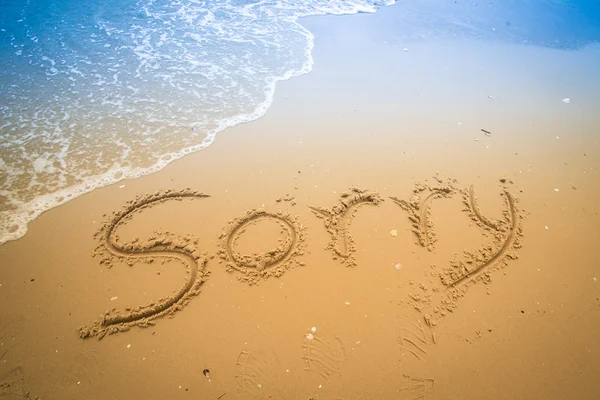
(85, 370)
(324, 354)
(416, 388)
(10, 330)
(12, 385)
(414, 338)
(254, 375)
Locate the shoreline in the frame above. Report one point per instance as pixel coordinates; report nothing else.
(16, 225)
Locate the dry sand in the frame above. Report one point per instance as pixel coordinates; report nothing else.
(416, 224)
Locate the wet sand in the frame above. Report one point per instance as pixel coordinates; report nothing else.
(412, 224)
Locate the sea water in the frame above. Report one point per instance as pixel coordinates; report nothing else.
(93, 92)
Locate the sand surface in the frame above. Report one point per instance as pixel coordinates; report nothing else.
(402, 224)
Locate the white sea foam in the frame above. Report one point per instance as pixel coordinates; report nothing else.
(85, 106)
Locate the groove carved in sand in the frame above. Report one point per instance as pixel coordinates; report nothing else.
(506, 233)
(339, 218)
(418, 208)
(165, 245)
(323, 354)
(438, 293)
(271, 263)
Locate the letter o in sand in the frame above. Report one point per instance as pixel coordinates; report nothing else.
(273, 262)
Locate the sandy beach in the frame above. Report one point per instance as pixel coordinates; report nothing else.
(414, 219)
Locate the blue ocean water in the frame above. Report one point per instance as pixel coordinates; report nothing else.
(95, 91)
(556, 24)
